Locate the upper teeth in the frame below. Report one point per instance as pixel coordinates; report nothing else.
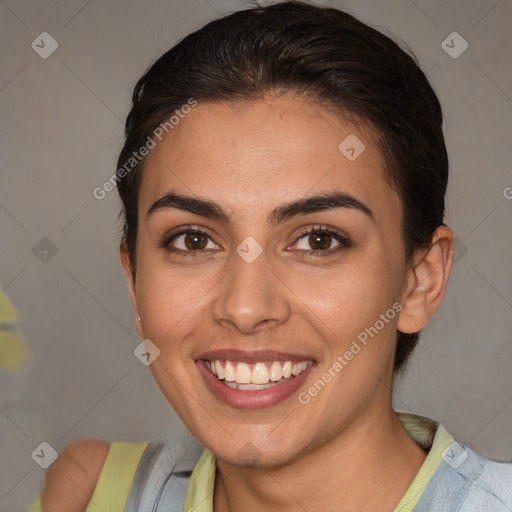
(261, 373)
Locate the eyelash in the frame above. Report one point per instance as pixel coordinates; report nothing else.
(344, 241)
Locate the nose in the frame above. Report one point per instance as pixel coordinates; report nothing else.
(252, 296)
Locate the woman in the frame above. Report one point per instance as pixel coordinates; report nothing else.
(283, 181)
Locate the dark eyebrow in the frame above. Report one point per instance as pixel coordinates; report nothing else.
(303, 206)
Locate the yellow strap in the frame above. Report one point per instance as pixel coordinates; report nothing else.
(116, 477)
(442, 440)
(200, 489)
(36, 505)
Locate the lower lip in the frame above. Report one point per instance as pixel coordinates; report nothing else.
(254, 398)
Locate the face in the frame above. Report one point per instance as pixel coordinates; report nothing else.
(261, 288)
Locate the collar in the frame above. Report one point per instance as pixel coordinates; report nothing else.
(428, 433)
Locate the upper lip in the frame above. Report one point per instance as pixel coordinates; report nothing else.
(251, 356)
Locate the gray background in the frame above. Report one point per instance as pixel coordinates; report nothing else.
(61, 130)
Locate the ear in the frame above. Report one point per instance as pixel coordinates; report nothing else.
(128, 272)
(427, 278)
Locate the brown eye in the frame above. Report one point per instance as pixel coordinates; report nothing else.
(187, 242)
(320, 241)
(195, 241)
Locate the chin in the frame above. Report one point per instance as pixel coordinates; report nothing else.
(253, 454)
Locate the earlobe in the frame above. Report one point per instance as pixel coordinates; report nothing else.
(128, 271)
(426, 282)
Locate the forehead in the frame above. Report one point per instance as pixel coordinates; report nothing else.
(262, 153)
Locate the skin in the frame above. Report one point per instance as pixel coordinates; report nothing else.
(250, 160)
(71, 479)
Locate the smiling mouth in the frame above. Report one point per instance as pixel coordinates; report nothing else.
(254, 376)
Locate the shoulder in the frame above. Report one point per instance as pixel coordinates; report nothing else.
(71, 479)
(469, 480)
(493, 482)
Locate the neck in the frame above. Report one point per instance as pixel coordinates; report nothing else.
(369, 466)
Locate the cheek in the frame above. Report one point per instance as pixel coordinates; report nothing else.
(171, 302)
(350, 296)
(357, 315)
